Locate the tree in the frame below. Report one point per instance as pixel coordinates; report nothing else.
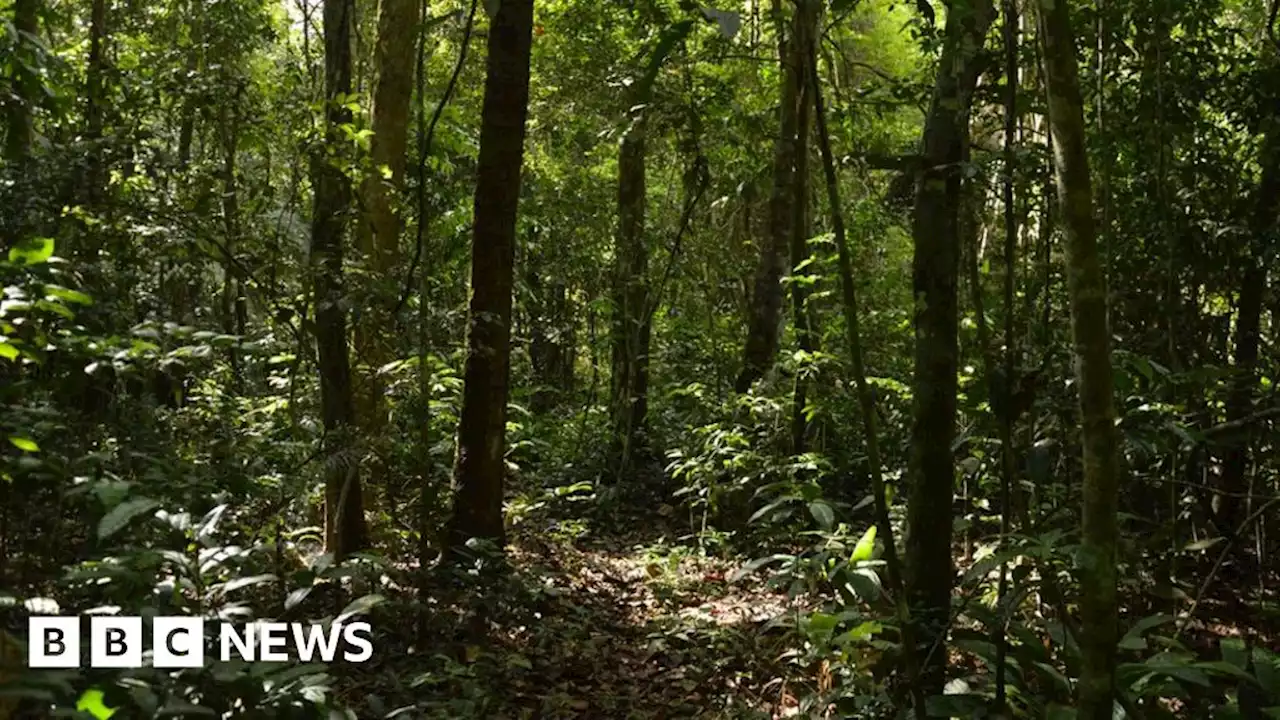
(1262, 225)
(631, 322)
(766, 297)
(1089, 328)
(26, 21)
(806, 25)
(480, 467)
(866, 400)
(378, 237)
(344, 507)
(935, 229)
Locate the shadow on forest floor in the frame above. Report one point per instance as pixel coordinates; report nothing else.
(622, 621)
(623, 617)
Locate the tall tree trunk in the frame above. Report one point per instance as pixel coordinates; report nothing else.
(1087, 290)
(935, 227)
(379, 236)
(234, 310)
(344, 508)
(766, 298)
(21, 126)
(93, 105)
(187, 116)
(631, 323)
(477, 506)
(803, 41)
(26, 20)
(1009, 34)
(1249, 317)
(866, 401)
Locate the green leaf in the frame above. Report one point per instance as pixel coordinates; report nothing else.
(8, 351)
(865, 631)
(123, 514)
(23, 443)
(67, 294)
(1222, 667)
(865, 584)
(31, 252)
(360, 606)
(865, 547)
(769, 508)
(91, 702)
(1233, 651)
(245, 582)
(1134, 640)
(1266, 666)
(297, 596)
(823, 513)
(754, 565)
(209, 523)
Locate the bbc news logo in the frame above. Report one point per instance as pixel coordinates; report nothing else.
(179, 642)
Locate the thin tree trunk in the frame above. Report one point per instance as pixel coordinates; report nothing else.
(866, 401)
(187, 122)
(935, 228)
(233, 303)
(480, 469)
(631, 299)
(1010, 36)
(807, 12)
(766, 298)
(93, 106)
(26, 20)
(344, 508)
(1087, 291)
(378, 238)
(1249, 320)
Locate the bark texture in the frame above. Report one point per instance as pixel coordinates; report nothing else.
(93, 106)
(1087, 290)
(480, 467)
(935, 228)
(344, 509)
(26, 20)
(379, 236)
(807, 14)
(631, 320)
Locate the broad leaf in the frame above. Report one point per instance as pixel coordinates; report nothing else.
(823, 513)
(31, 252)
(865, 547)
(123, 514)
(91, 702)
(23, 443)
(360, 606)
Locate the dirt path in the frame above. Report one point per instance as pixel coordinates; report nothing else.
(622, 627)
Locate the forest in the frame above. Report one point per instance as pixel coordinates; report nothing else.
(646, 359)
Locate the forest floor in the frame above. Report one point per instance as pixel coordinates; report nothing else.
(623, 615)
(618, 618)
